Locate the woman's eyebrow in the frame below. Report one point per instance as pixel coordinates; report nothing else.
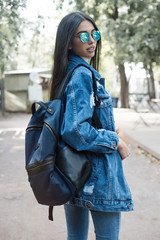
(84, 31)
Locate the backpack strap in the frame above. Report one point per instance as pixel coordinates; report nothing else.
(95, 119)
(50, 211)
(96, 123)
(65, 81)
(43, 105)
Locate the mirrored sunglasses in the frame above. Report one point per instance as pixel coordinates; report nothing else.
(84, 37)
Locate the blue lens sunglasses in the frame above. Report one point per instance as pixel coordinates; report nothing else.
(84, 37)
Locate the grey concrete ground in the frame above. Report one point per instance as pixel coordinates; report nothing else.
(141, 129)
(23, 218)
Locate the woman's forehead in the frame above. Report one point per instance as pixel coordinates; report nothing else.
(85, 26)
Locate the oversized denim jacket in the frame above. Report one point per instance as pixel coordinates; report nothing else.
(106, 189)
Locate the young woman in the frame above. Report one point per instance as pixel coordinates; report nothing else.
(106, 193)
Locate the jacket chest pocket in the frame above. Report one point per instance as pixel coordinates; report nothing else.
(104, 110)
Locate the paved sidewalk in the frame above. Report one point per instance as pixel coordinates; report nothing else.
(140, 129)
(132, 124)
(14, 120)
(24, 219)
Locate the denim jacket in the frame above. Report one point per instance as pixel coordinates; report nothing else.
(106, 189)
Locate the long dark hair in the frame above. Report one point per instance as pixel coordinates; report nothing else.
(65, 32)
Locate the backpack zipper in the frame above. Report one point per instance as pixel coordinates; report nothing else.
(40, 166)
(33, 128)
(50, 129)
(40, 127)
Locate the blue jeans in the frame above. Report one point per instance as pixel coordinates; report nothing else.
(106, 224)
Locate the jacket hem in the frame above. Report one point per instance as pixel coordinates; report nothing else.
(103, 205)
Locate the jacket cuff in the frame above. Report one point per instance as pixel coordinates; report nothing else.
(114, 140)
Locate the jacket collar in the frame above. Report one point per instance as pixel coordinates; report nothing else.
(74, 60)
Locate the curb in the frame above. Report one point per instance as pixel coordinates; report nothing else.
(136, 143)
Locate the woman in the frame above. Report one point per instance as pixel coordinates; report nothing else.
(106, 193)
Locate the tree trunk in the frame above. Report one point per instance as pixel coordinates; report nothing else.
(152, 93)
(124, 87)
(2, 104)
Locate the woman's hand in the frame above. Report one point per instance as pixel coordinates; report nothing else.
(123, 149)
(122, 146)
(117, 130)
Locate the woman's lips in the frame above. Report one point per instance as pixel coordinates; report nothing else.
(91, 49)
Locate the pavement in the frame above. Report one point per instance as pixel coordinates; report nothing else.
(24, 219)
(141, 129)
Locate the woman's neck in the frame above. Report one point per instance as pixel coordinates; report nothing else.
(85, 59)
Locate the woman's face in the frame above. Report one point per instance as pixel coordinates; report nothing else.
(84, 50)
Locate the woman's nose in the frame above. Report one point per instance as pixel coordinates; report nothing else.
(91, 39)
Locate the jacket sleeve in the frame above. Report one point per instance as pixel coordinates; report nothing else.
(76, 129)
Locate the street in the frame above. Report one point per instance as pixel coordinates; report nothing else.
(22, 218)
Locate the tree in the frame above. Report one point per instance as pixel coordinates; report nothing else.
(10, 31)
(11, 25)
(136, 35)
(115, 33)
(36, 29)
(104, 13)
(147, 38)
(132, 27)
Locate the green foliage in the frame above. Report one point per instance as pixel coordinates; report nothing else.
(37, 44)
(10, 28)
(36, 31)
(131, 26)
(135, 32)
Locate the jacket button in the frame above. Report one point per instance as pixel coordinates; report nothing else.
(89, 204)
(129, 206)
(115, 145)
